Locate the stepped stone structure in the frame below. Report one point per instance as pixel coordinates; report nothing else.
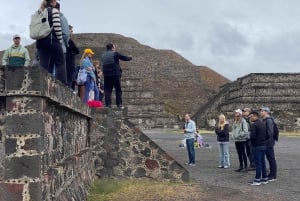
(279, 91)
(159, 86)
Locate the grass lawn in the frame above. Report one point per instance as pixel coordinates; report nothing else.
(137, 190)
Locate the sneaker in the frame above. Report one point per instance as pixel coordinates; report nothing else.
(220, 166)
(226, 167)
(264, 181)
(120, 106)
(244, 170)
(272, 179)
(192, 164)
(238, 170)
(254, 183)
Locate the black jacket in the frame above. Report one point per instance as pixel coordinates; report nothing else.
(72, 50)
(110, 61)
(223, 135)
(258, 133)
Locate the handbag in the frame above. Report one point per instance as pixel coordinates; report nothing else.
(82, 76)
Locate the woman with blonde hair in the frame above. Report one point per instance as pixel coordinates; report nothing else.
(90, 84)
(222, 132)
(239, 135)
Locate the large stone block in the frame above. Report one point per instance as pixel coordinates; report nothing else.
(23, 166)
(20, 124)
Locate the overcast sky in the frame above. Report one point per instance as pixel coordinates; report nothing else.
(233, 37)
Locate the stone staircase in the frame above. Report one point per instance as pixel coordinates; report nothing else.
(143, 109)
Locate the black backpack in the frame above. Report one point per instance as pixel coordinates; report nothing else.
(276, 130)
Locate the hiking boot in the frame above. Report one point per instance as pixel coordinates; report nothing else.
(238, 170)
(244, 170)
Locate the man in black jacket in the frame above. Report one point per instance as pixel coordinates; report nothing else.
(112, 74)
(72, 51)
(258, 137)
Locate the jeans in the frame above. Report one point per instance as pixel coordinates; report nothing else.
(240, 148)
(191, 150)
(90, 85)
(272, 161)
(111, 82)
(259, 153)
(224, 154)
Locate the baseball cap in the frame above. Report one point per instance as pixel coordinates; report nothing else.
(16, 36)
(238, 111)
(266, 109)
(88, 51)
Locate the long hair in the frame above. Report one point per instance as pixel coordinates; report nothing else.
(221, 125)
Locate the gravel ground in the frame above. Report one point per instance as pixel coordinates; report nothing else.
(225, 184)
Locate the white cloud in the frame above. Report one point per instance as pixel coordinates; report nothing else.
(232, 37)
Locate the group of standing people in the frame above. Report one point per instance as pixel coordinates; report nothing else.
(56, 53)
(253, 137)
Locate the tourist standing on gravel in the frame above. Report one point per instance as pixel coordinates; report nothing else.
(222, 132)
(269, 121)
(189, 133)
(246, 112)
(112, 74)
(259, 138)
(239, 135)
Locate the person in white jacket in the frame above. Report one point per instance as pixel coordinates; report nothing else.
(239, 134)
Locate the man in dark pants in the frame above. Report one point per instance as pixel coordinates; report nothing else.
(259, 140)
(189, 133)
(72, 50)
(112, 74)
(246, 112)
(267, 119)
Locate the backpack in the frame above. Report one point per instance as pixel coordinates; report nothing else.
(39, 25)
(82, 76)
(276, 131)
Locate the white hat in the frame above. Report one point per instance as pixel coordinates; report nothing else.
(238, 111)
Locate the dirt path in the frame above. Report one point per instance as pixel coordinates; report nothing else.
(225, 184)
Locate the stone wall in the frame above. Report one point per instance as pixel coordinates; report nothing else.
(125, 151)
(279, 91)
(52, 145)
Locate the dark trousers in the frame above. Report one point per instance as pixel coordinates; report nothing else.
(249, 153)
(259, 153)
(50, 52)
(241, 151)
(111, 82)
(191, 150)
(272, 162)
(70, 76)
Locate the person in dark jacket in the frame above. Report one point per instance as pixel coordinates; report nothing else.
(72, 51)
(259, 138)
(270, 154)
(112, 74)
(222, 132)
